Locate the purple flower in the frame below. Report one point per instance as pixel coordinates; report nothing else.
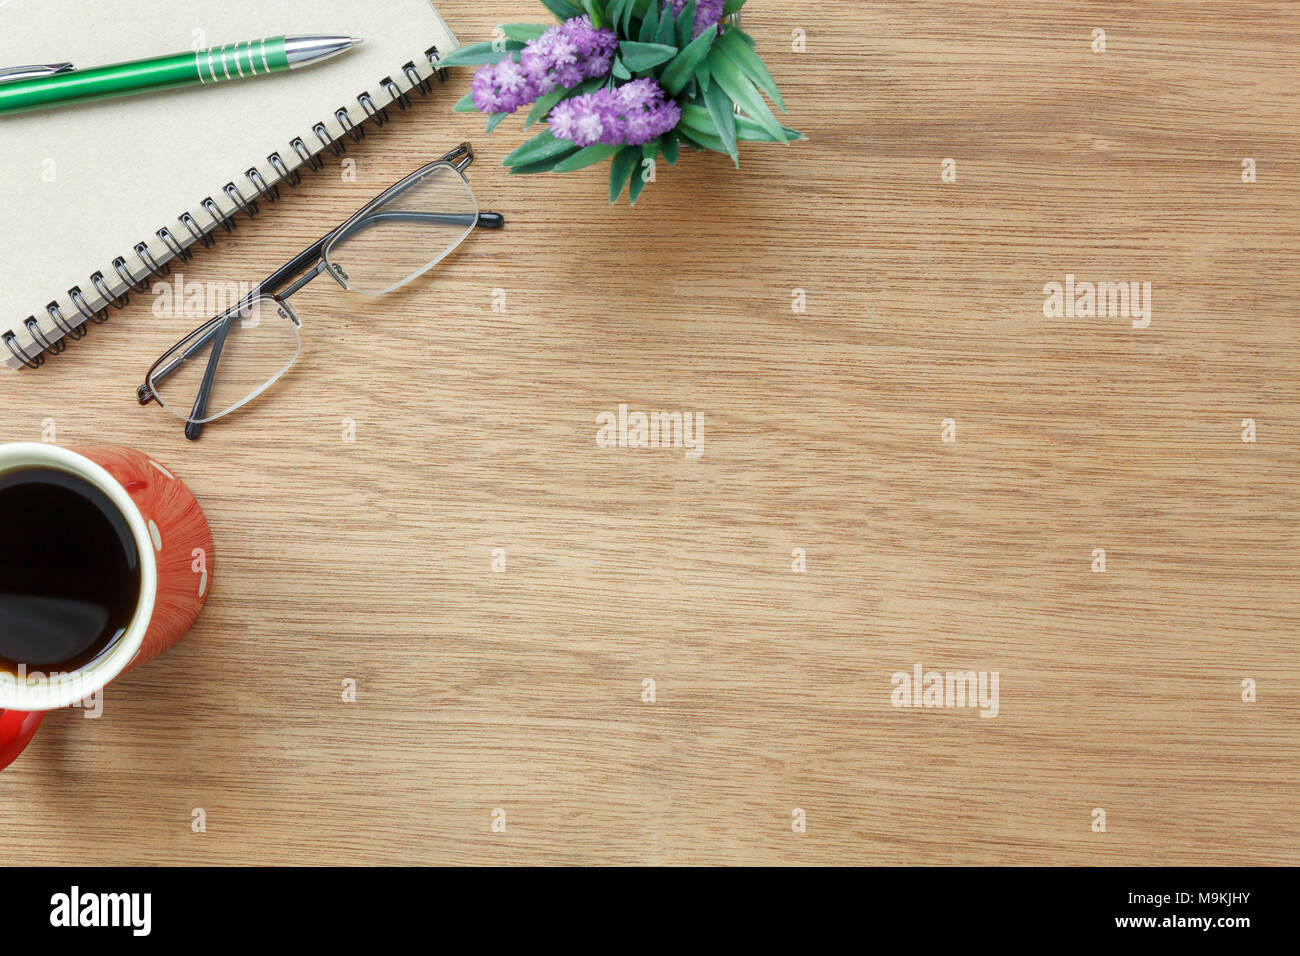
(563, 56)
(708, 13)
(564, 121)
(631, 114)
(647, 111)
(501, 87)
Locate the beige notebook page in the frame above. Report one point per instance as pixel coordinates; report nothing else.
(86, 183)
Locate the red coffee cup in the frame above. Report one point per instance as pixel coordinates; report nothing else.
(175, 549)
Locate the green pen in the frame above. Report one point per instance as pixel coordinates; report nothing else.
(41, 87)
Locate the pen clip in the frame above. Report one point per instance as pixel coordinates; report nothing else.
(14, 73)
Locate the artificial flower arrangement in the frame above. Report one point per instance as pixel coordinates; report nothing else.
(625, 81)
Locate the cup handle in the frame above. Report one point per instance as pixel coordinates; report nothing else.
(17, 727)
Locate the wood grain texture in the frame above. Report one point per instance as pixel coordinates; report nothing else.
(475, 429)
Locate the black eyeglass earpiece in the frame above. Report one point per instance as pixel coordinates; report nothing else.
(491, 220)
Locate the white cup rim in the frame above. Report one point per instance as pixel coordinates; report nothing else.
(48, 692)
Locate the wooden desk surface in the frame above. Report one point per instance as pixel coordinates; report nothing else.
(475, 429)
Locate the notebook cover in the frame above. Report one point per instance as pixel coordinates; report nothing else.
(87, 182)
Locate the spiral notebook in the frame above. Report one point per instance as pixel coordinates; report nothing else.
(98, 198)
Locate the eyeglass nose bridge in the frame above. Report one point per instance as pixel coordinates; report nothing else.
(321, 266)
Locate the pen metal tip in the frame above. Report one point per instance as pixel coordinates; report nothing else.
(301, 51)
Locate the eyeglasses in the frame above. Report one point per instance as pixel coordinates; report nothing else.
(395, 238)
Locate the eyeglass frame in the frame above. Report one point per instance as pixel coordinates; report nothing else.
(295, 275)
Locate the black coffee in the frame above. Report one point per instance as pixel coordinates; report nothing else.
(69, 571)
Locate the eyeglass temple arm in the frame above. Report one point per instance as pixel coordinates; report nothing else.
(209, 375)
(193, 429)
(484, 220)
(312, 254)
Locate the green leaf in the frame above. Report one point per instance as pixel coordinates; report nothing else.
(466, 104)
(649, 151)
(749, 40)
(586, 157)
(684, 64)
(543, 165)
(701, 139)
(619, 70)
(638, 183)
(684, 137)
(750, 132)
(615, 12)
(480, 54)
(542, 146)
(543, 106)
(523, 32)
(620, 171)
(670, 147)
(723, 114)
(495, 120)
(650, 25)
(751, 65)
(698, 117)
(643, 56)
(702, 74)
(731, 6)
(667, 33)
(596, 10)
(686, 25)
(740, 89)
(562, 9)
(627, 18)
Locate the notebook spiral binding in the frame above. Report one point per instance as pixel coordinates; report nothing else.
(181, 245)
